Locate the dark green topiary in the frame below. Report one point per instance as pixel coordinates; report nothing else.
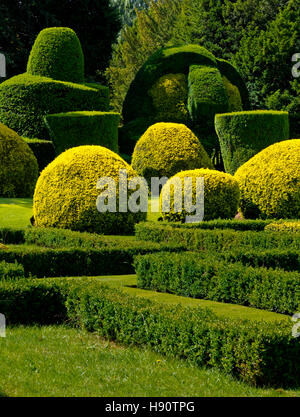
(206, 94)
(243, 134)
(43, 151)
(83, 128)
(18, 165)
(57, 54)
(26, 99)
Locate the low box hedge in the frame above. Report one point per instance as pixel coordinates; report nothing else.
(204, 276)
(286, 259)
(63, 262)
(215, 240)
(256, 352)
(10, 271)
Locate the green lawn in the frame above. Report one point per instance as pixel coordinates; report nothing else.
(59, 361)
(15, 212)
(234, 311)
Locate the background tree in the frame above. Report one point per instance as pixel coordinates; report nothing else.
(127, 9)
(96, 23)
(218, 25)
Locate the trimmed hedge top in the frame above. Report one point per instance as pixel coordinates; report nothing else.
(270, 182)
(25, 99)
(83, 128)
(57, 54)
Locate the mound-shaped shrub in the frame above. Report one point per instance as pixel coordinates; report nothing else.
(57, 54)
(221, 195)
(244, 134)
(206, 93)
(66, 194)
(26, 99)
(83, 128)
(170, 96)
(18, 165)
(270, 182)
(167, 148)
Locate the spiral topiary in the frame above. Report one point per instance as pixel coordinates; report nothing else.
(167, 148)
(18, 165)
(57, 54)
(221, 195)
(66, 194)
(270, 182)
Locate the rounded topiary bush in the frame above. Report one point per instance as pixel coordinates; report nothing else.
(57, 54)
(66, 194)
(221, 195)
(167, 148)
(170, 96)
(18, 165)
(244, 134)
(270, 182)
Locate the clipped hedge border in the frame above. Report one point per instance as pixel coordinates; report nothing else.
(63, 262)
(256, 352)
(284, 226)
(194, 275)
(241, 225)
(217, 240)
(10, 271)
(286, 259)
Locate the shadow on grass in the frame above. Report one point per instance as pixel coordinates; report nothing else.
(2, 395)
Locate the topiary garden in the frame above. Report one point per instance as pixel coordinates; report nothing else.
(218, 291)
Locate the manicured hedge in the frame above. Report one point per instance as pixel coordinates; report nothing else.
(243, 134)
(242, 225)
(10, 271)
(43, 151)
(63, 262)
(57, 54)
(12, 236)
(287, 259)
(204, 276)
(217, 240)
(256, 352)
(26, 99)
(83, 128)
(207, 93)
(31, 302)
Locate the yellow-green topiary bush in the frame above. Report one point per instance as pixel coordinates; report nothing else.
(284, 226)
(18, 165)
(66, 194)
(170, 96)
(221, 195)
(167, 148)
(270, 182)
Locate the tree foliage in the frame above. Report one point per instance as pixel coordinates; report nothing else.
(96, 23)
